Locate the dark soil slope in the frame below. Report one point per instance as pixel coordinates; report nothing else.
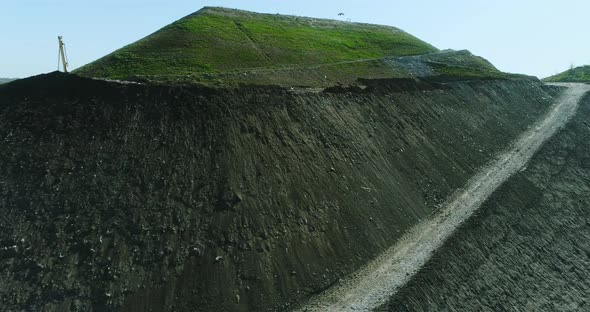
(528, 249)
(136, 198)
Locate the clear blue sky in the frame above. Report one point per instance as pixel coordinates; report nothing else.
(538, 37)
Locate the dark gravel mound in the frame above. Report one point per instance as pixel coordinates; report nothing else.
(123, 197)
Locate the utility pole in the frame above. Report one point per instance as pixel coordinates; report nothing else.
(62, 54)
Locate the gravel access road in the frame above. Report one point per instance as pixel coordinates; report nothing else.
(374, 284)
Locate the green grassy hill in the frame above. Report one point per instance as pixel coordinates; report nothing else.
(225, 47)
(217, 39)
(578, 74)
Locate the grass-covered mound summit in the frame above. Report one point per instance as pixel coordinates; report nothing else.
(578, 74)
(226, 47)
(218, 39)
(221, 47)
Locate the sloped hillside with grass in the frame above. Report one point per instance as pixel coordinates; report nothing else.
(219, 40)
(449, 65)
(223, 47)
(578, 74)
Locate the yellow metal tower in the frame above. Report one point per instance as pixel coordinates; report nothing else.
(62, 54)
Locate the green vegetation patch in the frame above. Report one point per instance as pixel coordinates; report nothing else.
(578, 74)
(222, 47)
(216, 40)
(316, 76)
(463, 71)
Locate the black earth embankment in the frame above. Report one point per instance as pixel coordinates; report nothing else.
(132, 197)
(528, 249)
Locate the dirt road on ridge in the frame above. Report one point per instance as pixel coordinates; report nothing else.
(373, 285)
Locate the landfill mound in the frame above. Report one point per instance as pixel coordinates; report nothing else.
(131, 197)
(214, 40)
(220, 47)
